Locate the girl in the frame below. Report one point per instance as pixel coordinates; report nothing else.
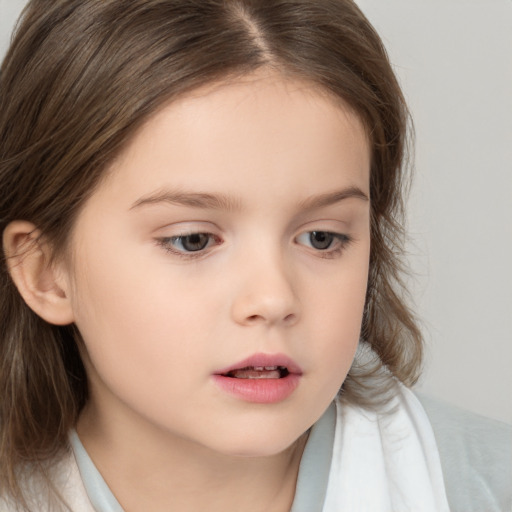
(201, 305)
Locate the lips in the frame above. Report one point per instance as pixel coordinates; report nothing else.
(261, 378)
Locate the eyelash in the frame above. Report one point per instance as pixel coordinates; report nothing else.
(341, 241)
(167, 244)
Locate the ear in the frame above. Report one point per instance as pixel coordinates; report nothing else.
(43, 286)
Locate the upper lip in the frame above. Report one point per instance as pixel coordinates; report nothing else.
(281, 360)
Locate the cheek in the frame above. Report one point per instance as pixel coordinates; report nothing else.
(131, 315)
(135, 311)
(141, 337)
(335, 316)
(341, 297)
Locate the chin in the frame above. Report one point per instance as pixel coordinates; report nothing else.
(247, 451)
(258, 442)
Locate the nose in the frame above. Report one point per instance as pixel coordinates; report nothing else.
(265, 293)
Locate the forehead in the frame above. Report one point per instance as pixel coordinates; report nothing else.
(256, 126)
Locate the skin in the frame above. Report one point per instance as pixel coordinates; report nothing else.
(158, 321)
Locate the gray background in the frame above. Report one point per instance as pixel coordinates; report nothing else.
(454, 60)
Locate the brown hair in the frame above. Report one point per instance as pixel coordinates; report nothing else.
(80, 78)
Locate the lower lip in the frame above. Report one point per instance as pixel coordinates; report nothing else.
(261, 391)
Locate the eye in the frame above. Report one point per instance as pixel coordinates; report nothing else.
(192, 243)
(187, 245)
(320, 240)
(324, 241)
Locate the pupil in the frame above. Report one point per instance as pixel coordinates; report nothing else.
(194, 242)
(321, 239)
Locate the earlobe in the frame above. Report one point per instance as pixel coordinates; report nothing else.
(41, 284)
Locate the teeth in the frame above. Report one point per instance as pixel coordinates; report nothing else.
(256, 372)
(259, 372)
(269, 375)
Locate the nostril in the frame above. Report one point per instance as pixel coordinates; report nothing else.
(254, 309)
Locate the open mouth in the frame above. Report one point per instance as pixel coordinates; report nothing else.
(258, 372)
(260, 378)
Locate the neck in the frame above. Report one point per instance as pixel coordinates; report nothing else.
(174, 472)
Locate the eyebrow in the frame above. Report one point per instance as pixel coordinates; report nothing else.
(190, 199)
(330, 198)
(221, 201)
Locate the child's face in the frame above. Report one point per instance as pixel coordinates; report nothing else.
(210, 242)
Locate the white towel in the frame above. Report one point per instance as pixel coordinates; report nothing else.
(385, 462)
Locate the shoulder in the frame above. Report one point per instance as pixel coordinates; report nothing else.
(476, 457)
(64, 492)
